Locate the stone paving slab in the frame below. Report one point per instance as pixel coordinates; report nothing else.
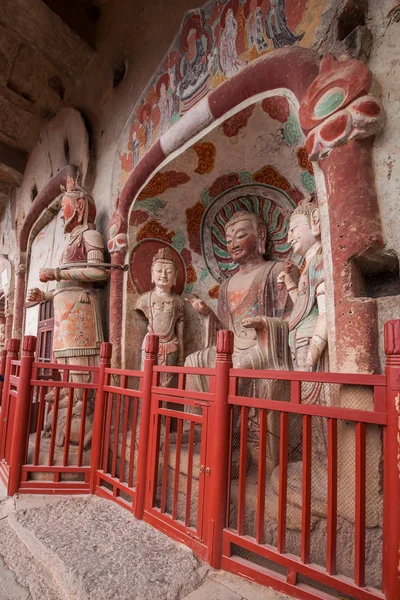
(28, 573)
(247, 590)
(220, 585)
(212, 590)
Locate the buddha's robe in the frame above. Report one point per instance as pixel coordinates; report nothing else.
(267, 349)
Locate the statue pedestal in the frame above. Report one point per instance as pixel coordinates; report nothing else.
(319, 487)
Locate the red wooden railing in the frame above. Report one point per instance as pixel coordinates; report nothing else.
(199, 460)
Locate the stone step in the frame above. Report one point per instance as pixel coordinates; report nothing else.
(88, 548)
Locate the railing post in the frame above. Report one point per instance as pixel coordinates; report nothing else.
(3, 358)
(22, 409)
(150, 360)
(219, 451)
(391, 489)
(12, 354)
(99, 412)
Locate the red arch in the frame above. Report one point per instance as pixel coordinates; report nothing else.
(291, 68)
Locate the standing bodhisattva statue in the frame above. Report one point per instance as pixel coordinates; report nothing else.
(77, 324)
(308, 335)
(164, 312)
(307, 324)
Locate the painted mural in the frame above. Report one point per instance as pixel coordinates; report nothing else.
(253, 161)
(214, 43)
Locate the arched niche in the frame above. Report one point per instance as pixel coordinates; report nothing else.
(253, 160)
(234, 106)
(340, 130)
(62, 150)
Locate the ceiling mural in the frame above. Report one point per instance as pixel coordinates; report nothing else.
(254, 161)
(214, 43)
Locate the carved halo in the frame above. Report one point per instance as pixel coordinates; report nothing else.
(271, 203)
(140, 261)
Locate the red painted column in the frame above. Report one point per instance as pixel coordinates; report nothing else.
(355, 228)
(12, 354)
(391, 532)
(116, 304)
(218, 457)
(9, 325)
(22, 410)
(151, 350)
(19, 300)
(99, 412)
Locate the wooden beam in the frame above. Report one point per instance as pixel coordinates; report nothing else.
(12, 165)
(18, 127)
(13, 158)
(4, 192)
(33, 22)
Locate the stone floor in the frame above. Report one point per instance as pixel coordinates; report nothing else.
(84, 548)
(10, 589)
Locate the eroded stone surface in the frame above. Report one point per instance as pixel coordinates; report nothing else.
(10, 589)
(100, 551)
(29, 573)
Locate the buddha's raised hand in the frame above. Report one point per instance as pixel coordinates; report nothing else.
(253, 323)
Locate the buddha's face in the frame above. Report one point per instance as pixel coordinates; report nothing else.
(300, 235)
(164, 275)
(242, 241)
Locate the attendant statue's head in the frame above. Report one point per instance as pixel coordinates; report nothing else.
(77, 207)
(164, 270)
(246, 237)
(304, 226)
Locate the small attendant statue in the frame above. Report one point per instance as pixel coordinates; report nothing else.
(164, 312)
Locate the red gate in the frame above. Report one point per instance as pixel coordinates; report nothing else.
(176, 492)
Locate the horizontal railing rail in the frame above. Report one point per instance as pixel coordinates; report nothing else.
(321, 377)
